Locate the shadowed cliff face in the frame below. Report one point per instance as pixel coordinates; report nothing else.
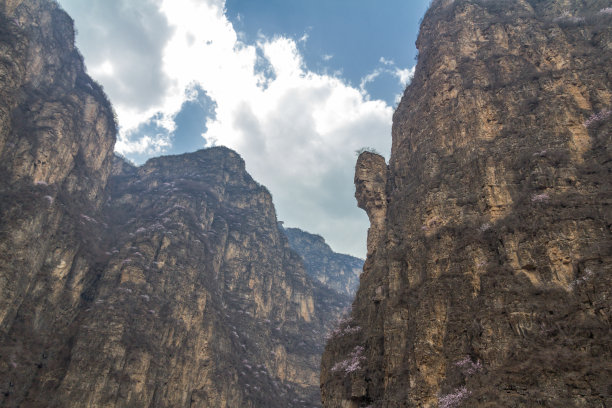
(56, 138)
(167, 285)
(489, 282)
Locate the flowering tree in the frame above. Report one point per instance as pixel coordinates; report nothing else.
(351, 364)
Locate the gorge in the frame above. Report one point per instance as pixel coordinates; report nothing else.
(487, 281)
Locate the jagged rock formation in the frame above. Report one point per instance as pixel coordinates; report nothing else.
(488, 284)
(165, 285)
(336, 271)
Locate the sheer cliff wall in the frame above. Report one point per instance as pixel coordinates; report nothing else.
(488, 279)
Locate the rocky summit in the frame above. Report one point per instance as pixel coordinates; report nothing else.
(488, 281)
(165, 285)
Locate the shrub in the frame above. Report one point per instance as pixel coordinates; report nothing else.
(366, 149)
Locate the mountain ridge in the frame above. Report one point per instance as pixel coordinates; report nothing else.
(339, 272)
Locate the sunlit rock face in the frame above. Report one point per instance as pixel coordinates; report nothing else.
(489, 275)
(166, 285)
(336, 271)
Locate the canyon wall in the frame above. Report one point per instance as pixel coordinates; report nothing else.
(339, 272)
(489, 271)
(165, 285)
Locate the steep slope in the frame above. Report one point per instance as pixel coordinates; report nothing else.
(164, 285)
(488, 280)
(339, 272)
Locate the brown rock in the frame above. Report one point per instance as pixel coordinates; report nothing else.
(490, 285)
(371, 195)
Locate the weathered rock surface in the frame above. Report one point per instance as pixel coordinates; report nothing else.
(56, 138)
(166, 285)
(336, 271)
(489, 282)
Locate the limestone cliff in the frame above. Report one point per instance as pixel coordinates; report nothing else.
(338, 272)
(57, 133)
(166, 285)
(489, 275)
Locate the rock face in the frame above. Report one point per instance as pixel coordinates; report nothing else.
(489, 277)
(339, 272)
(167, 285)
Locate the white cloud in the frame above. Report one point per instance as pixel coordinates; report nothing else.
(371, 77)
(297, 130)
(404, 75)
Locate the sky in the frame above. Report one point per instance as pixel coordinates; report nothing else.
(294, 86)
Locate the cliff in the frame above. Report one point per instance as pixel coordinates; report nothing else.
(488, 279)
(57, 134)
(165, 285)
(336, 271)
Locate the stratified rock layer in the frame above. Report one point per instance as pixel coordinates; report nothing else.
(490, 283)
(167, 285)
(336, 271)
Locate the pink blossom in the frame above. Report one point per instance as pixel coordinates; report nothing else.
(484, 227)
(88, 218)
(454, 399)
(587, 276)
(351, 364)
(566, 17)
(597, 117)
(538, 198)
(468, 366)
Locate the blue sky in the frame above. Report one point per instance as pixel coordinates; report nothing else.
(356, 34)
(294, 86)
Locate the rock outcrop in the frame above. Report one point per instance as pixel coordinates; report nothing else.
(488, 283)
(338, 272)
(166, 285)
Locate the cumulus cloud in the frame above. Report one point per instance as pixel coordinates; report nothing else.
(296, 129)
(123, 44)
